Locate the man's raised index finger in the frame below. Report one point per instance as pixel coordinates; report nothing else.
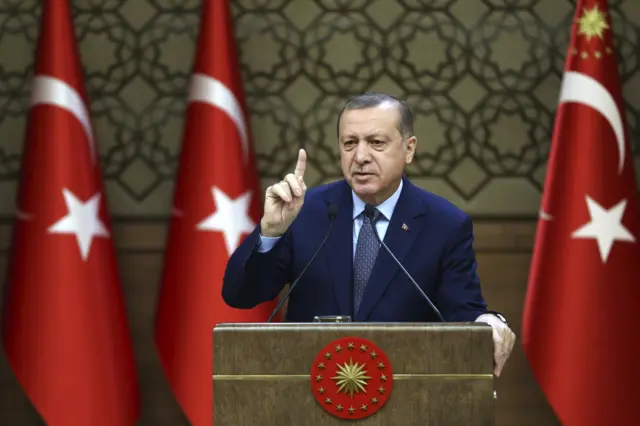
(302, 164)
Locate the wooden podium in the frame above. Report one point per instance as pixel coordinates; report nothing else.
(289, 374)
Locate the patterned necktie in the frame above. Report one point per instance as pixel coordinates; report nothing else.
(366, 253)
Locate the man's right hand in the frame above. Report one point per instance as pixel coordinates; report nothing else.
(283, 201)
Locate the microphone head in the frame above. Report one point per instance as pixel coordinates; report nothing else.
(332, 211)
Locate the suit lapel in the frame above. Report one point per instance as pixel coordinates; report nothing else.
(338, 252)
(401, 233)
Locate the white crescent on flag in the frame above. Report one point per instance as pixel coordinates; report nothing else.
(208, 90)
(583, 89)
(53, 91)
(49, 90)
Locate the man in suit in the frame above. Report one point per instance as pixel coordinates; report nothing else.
(353, 275)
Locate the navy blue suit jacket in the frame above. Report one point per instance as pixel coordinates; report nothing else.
(436, 250)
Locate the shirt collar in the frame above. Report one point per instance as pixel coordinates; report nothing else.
(386, 207)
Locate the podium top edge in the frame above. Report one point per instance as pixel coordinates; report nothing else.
(355, 326)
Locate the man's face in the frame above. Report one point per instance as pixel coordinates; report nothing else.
(372, 154)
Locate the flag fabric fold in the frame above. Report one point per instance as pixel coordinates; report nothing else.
(217, 202)
(65, 329)
(580, 310)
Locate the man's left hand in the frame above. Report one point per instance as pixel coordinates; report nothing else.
(503, 340)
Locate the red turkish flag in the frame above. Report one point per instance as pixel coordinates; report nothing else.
(217, 202)
(65, 330)
(580, 317)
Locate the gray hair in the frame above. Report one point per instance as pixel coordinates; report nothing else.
(374, 99)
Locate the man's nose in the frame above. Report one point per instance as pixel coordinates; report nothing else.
(362, 152)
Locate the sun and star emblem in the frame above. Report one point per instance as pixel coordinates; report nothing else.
(351, 378)
(592, 25)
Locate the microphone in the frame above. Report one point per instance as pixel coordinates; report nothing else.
(332, 212)
(369, 211)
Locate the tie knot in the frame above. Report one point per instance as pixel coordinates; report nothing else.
(372, 213)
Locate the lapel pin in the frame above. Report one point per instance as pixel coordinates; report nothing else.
(405, 227)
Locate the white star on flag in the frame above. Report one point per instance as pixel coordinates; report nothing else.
(231, 217)
(605, 226)
(82, 220)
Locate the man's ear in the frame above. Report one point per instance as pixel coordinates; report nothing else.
(410, 145)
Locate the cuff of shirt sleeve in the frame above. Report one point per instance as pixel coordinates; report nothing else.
(498, 315)
(267, 243)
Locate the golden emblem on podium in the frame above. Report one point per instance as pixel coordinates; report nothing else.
(351, 378)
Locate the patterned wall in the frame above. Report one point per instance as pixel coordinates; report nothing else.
(482, 75)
